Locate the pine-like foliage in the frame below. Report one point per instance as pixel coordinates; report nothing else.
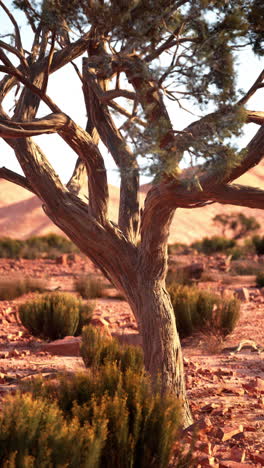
(202, 68)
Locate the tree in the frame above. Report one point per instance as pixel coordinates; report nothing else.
(134, 51)
(240, 224)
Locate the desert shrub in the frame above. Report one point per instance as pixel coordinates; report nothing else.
(258, 243)
(179, 276)
(97, 350)
(200, 310)
(210, 245)
(178, 248)
(35, 433)
(88, 287)
(50, 246)
(246, 267)
(260, 280)
(53, 315)
(10, 248)
(12, 288)
(240, 224)
(141, 423)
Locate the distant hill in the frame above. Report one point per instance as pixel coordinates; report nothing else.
(21, 214)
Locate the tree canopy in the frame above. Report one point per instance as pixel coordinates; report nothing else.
(136, 56)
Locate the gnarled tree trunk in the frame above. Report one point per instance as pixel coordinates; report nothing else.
(161, 344)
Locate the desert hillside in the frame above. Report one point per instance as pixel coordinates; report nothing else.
(21, 214)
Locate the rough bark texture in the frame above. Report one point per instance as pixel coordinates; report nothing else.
(137, 269)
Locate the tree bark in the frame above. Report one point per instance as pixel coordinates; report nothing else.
(161, 345)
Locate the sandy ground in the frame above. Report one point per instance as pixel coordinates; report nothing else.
(225, 383)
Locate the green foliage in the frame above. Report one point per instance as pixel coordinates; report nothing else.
(141, 424)
(260, 280)
(258, 243)
(179, 276)
(98, 350)
(12, 288)
(50, 246)
(89, 287)
(35, 433)
(240, 224)
(10, 248)
(54, 315)
(205, 73)
(246, 267)
(203, 310)
(210, 245)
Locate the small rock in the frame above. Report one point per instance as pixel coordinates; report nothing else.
(258, 458)
(233, 464)
(227, 432)
(68, 346)
(238, 454)
(242, 294)
(62, 259)
(102, 324)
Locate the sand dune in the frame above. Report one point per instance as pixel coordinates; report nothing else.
(21, 213)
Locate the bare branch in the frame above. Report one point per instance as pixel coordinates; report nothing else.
(116, 93)
(239, 195)
(52, 123)
(83, 145)
(17, 53)
(17, 74)
(123, 157)
(256, 117)
(124, 112)
(17, 33)
(49, 62)
(78, 179)
(15, 178)
(253, 89)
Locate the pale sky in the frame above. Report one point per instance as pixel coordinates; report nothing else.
(68, 97)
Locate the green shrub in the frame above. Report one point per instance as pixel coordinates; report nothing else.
(35, 433)
(89, 287)
(260, 280)
(98, 349)
(177, 248)
(179, 276)
(214, 244)
(10, 248)
(12, 288)
(54, 315)
(258, 243)
(200, 310)
(141, 423)
(50, 246)
(246, 267)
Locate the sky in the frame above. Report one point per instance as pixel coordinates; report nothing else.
(63, 90)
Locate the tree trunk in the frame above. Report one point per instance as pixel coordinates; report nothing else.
(161, 344)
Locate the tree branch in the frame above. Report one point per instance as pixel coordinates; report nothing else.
(52, 123)
(239, 195)
(17, 32)
(252, 90)
(123, 157)
(256, 117)
(78, 179)
(17, 53)
(15, 178)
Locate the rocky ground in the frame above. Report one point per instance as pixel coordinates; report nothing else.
(225, 379)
